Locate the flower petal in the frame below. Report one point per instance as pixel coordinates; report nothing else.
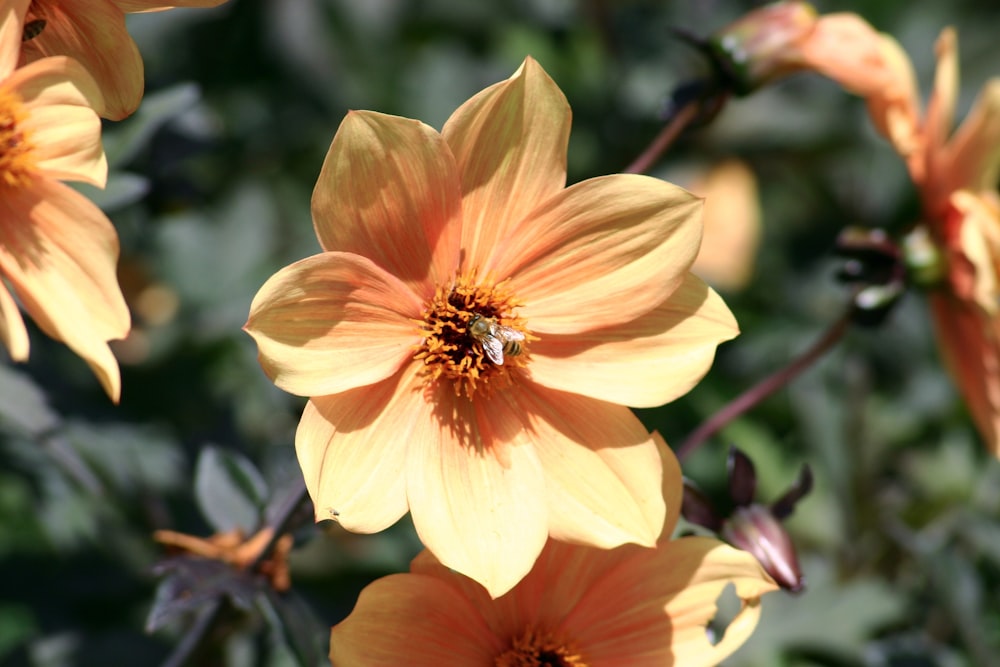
(60, 252)
(643, 363)
(389, 191)
(970, 345)
(93, 32)
(972, 158)
(333, 322)
(602, 468)
(653, 608)
(134, 6)
(11, 29)
(413, 619)
(13, 334)
(601, 253)
(64, 130)
(673, 486)
(510, 142)
(478, 512)
(352, 450)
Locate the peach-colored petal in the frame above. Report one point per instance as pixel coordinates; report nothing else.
(93, 32)
(352, 450)
(60, 252)
(64, 130)
(13, 334)
(732, 225)
(413, 619)
(972, 158)
(481, 513)
(510, 142)
(601, 252)
(643, 363)
(333, 322)
(673, 486)
(135, 6)
(603, 473)
(389, 191)
(668, 593)
(11, 30)
(970, 345)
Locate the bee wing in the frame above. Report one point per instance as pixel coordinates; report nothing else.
(493, 349)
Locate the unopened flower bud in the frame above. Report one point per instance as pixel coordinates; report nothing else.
(764, 44)
(924, 262)
(753, 528)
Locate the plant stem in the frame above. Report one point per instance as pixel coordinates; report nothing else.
(667, 135)
(767, 386)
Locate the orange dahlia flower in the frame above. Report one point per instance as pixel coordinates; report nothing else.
(473, 331)
(578, 607)
(93, 32)
(57, 249)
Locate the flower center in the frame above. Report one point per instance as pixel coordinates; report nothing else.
(471, 336)
(538, 648)
(17, 162)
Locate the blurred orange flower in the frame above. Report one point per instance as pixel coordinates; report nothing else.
(444, 256)
(57, 249)
(93, 32)
(579, 607)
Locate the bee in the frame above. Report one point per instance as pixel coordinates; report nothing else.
(495, 339)
(32, 29)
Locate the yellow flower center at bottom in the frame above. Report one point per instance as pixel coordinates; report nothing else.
(17, 162)
(468, 327)
(538, 648)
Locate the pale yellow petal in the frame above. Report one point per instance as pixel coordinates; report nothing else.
(65, 132)
(414, 620)
(972, 158)
(510, 142)
(333, 322)
(602, 468)
(11, 30)
(643, 363)
(389, 191)
(352, 450)
(62, 264)
(602, 252)
(673, 486)
(479, 513)
(93, 32)
(13, 334)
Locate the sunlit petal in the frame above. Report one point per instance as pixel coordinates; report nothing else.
(11, 30)
(13, 334)
(332, 322)
(389, 191)
(510, 142)
(646, 362)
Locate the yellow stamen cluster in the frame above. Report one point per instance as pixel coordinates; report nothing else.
(449, 352)
(537, 648)
(17, 163)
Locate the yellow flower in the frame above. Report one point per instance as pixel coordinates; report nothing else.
(57, 250)
(578, 607)
(429, 238)
(93, 32)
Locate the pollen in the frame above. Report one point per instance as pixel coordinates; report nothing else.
(449, 350)
(538, 648)
(17, 160)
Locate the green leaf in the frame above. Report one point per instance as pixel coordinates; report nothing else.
(230, 491)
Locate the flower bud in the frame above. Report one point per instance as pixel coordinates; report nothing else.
(753, 528)
(764, 44)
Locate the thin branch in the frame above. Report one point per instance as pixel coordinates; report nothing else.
(767, 386)
(677, 123)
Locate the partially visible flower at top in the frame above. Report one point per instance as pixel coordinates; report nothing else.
(473, 331)
(58, 251)
(752, 526)
(956, 173)
(578, 607)
(94, 33)
(238, 551)
(732, 225)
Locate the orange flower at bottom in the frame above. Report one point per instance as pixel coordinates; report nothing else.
(578, 607)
